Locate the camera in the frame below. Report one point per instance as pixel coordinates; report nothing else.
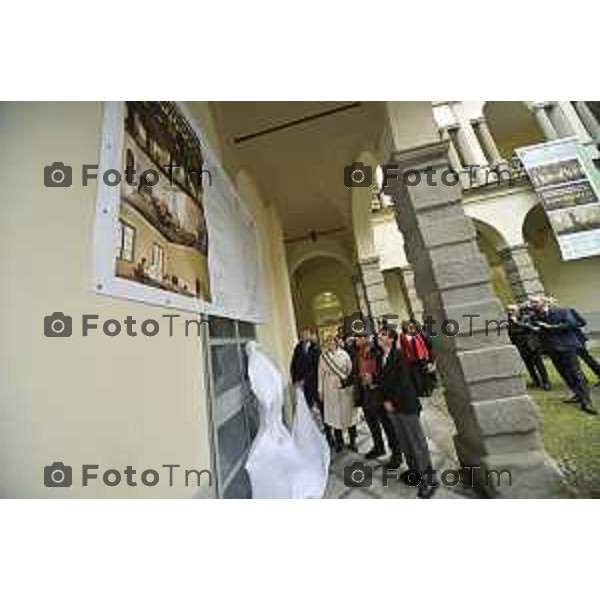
(58, 475)
(358, 324)
(358, 475)
(58, 175)
(358, 175)
(58, 325)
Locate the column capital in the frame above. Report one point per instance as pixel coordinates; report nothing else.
(542, 105)
(506, 251)
(431, 154)
(369, 261)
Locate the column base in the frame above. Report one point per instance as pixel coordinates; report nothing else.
(525, 474)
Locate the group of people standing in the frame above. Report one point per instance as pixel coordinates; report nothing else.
(539, 327)
(385, 376)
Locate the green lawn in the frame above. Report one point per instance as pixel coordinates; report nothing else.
(571, 436)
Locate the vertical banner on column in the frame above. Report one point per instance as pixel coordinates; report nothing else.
(568, 191)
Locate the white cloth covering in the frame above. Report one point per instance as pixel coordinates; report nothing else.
(283, 464)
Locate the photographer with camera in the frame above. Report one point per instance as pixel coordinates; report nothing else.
(403, 407)
(525, 338)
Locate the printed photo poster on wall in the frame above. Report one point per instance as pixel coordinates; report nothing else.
(561, 176)
(172, 231)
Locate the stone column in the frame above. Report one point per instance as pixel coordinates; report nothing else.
(575, 122)
(359, 291)
(415, 306)
(543, 120)
(469, 145)
(455, 161)
(487, 141)
(561, 124)
(496, 420)
(522, 274)
(376, 294)
(588, 118)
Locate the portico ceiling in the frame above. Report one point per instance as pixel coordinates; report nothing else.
(296, 153)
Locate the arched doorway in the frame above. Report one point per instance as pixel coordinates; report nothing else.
(328, 312)
(573, 282)
(322, 293)
(490, 241)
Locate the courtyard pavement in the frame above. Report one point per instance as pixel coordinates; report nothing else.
(439, 430)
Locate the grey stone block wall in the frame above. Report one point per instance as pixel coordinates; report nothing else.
(374, 286)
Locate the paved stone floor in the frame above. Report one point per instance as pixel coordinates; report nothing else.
(439, 430)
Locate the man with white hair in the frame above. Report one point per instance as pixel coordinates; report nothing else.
(559, 329)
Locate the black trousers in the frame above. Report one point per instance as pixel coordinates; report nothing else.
(589, 360)
(567, 365)
(535, 365)
(377, 419)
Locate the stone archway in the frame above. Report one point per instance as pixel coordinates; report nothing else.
(512, 125)
(490, 242)
(320, 284)
(573, 282)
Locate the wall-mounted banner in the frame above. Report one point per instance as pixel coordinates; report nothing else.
(562, 176)
(170, 227)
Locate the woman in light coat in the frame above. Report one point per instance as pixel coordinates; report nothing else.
(335, 367)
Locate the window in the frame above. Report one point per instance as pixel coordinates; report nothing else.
(233, 408)
(157, 262)
(126, 242)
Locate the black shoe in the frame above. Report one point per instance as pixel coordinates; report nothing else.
(427, 491)
(353, 447)
(374, 453)
(588, 408)
(571, 400)
(546, 386)
(339, 447)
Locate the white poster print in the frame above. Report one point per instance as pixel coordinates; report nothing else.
(235, 268)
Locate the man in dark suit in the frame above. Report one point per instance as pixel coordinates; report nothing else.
(304, 368)
(367, 366)
(526, 340)
(561, 341)
(403, 407)
(583, 352)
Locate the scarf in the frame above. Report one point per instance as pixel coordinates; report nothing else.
(332, 361)
(414, 347)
